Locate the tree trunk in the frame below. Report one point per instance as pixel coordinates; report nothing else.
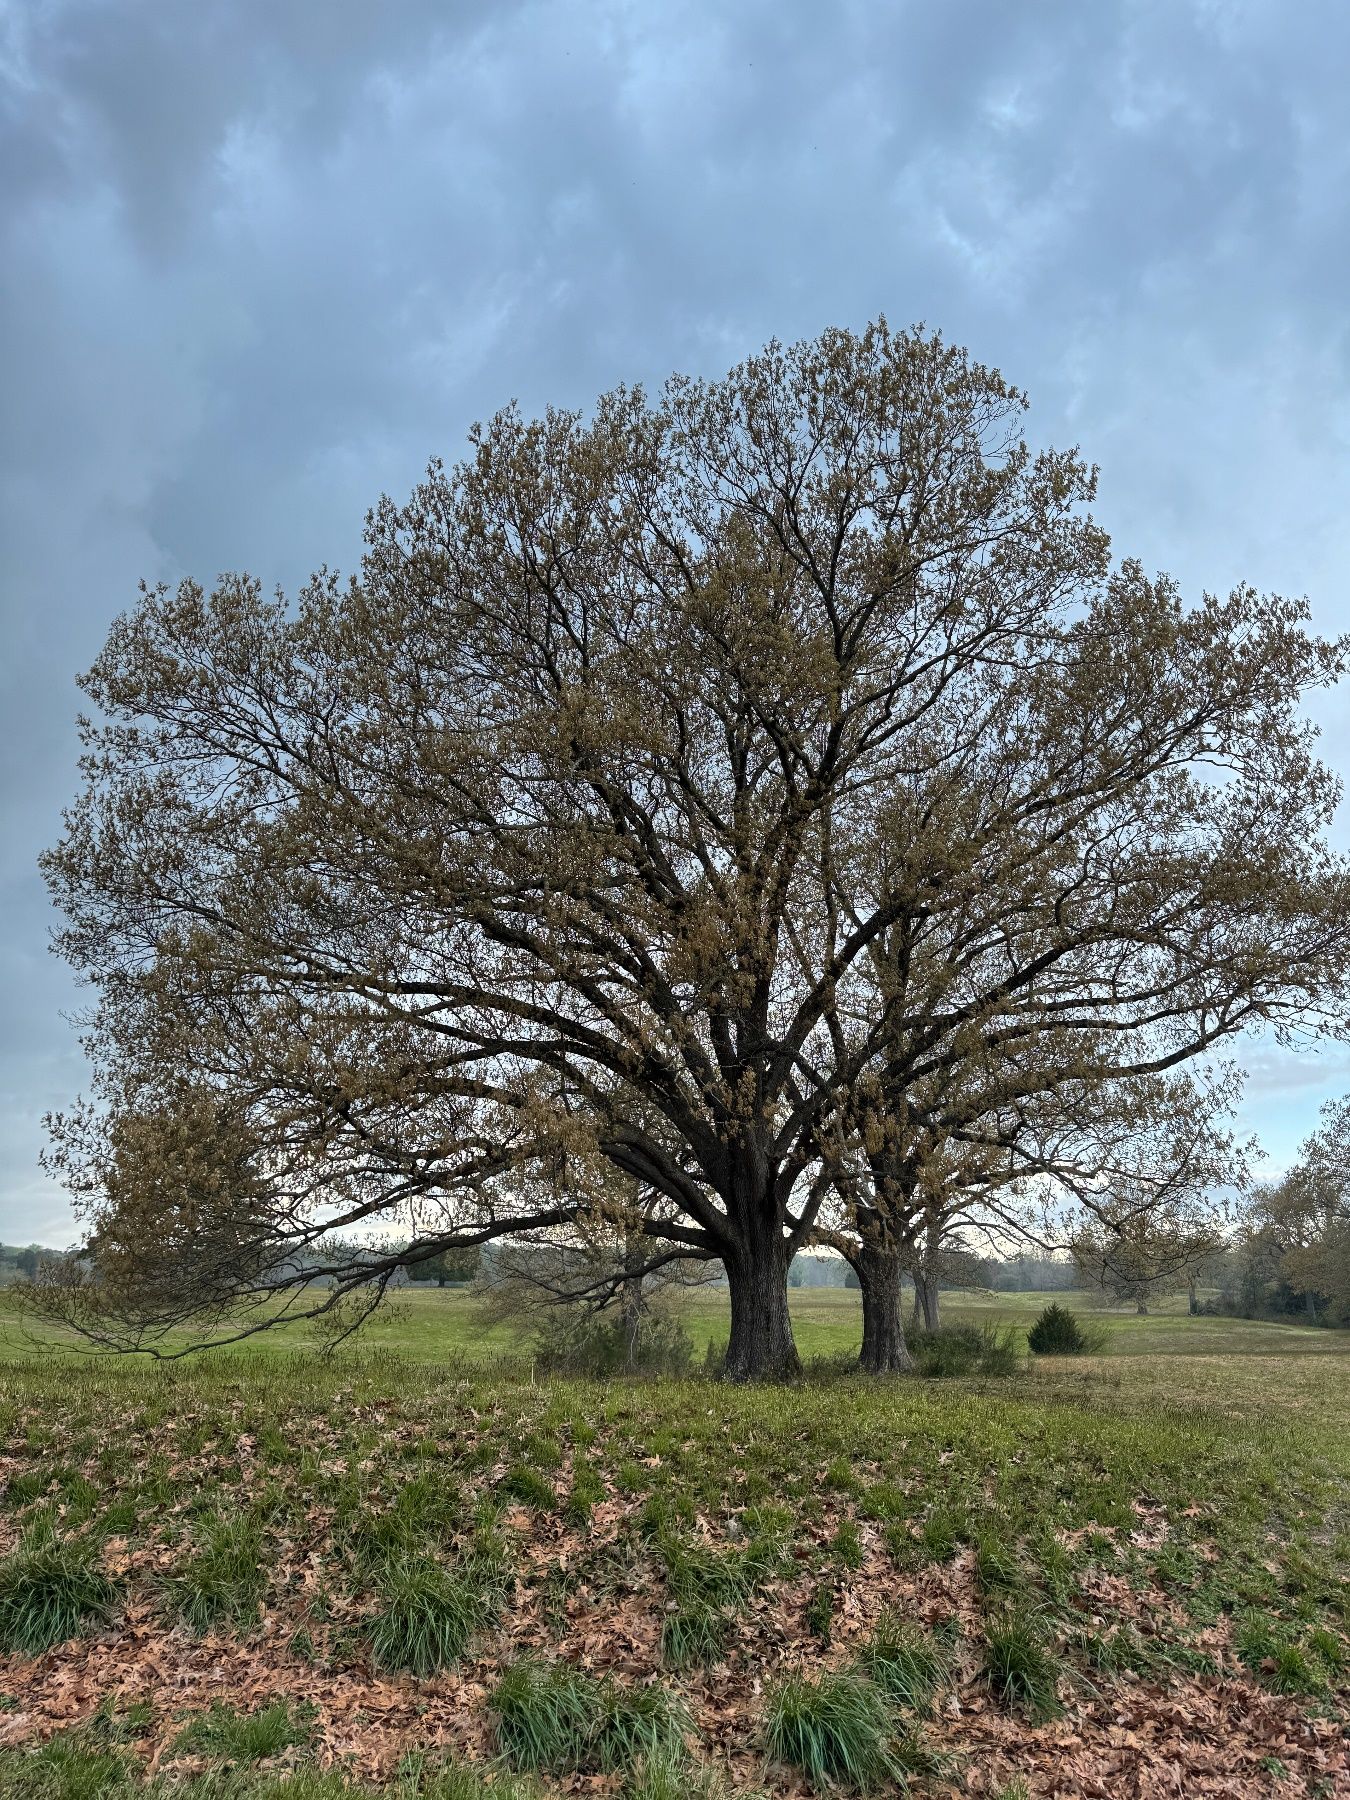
(1310, 1305)
(927, 1308)
(1141, 1307)
(761, 1346)
(631, 1302)
(1192, 1303)
(884, 1350)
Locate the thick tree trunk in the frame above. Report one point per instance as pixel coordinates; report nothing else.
(761, 1347)
(884, 1350)
(1192, 1303)
(1310, 1305)
(1141, 1308)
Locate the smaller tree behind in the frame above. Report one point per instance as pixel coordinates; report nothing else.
(1143, 1260)
(449, 1268)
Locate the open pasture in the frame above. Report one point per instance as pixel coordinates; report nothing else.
(412, 1569)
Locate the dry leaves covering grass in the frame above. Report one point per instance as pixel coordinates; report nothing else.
(1112, 1596)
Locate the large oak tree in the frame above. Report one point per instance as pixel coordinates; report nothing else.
(605, 814)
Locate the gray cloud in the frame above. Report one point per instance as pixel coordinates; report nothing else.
(265, 259)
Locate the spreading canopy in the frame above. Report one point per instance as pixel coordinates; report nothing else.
(662, 776)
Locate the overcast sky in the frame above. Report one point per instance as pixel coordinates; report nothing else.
(263, 258)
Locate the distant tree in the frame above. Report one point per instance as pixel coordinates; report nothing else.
(27, 1260)
(1298, 1229)
(447, 1267)
(1142, 1261)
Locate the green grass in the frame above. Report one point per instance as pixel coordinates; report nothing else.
(906, 1662)
(82, 1765)
(428, 1612)
(835, 1728)
(51, 1588)
(554, 1718)
(222, 1580)
(399, 1515)
(442, 1327)
(1021, 1667)
(226, 1736)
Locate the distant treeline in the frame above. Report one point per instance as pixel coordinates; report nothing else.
(19, 1262)
(956, 1269)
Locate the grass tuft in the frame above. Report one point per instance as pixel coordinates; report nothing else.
(666, 1775)
(1020, 1667)
(693, 1635)
(530, 1486)
(222, 1581)
(50, 1586)
(906, 1663)
(227, 1736)
(556, 1719)
(429, 1612)
(835, 1728)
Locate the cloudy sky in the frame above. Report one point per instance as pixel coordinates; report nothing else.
(263, 258)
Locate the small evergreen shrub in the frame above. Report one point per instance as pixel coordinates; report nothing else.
(1057, 1333)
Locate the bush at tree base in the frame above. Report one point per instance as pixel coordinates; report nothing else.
(597, 1343)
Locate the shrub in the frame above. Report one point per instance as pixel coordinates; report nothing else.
(836, 1728)
(579, 1342)
(964, 1350)
(49, 1587)
(1058, 1333)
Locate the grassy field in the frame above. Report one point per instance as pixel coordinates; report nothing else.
(411, 1569)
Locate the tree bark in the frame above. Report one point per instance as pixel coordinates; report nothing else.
(761, 1347)
(884, 1350)
(1141, 1307)
(927, 1307)
(1192, 1303)
(631, 1302)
